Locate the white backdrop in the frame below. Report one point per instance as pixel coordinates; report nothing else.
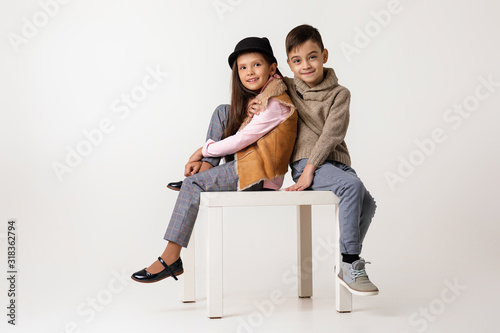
(102, 102)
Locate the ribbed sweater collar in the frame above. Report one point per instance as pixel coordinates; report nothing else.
(329, 82)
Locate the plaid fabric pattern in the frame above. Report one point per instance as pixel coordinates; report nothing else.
(216, 128)
(221, 178)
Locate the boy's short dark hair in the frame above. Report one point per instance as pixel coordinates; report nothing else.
(301, 34)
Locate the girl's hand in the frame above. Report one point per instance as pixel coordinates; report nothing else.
(305, 179)
(197, 156)
(191, 168)
(254, 107)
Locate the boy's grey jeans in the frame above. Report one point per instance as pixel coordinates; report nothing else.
(356, 207)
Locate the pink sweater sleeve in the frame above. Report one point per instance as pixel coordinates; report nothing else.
(260, 125)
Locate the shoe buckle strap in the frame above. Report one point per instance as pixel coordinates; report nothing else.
(167, 268)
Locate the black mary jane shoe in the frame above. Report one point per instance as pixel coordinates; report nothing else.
(176, 186)
(169, 270)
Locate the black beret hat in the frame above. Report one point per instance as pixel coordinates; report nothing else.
(252, 44)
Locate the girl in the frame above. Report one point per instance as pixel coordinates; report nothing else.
(262, 146)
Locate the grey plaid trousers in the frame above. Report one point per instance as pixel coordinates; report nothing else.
(220, 178)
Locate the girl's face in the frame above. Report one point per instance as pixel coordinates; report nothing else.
(254, 71)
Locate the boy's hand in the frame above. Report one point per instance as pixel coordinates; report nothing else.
(254, 107)
(191, 168)
(305, 179)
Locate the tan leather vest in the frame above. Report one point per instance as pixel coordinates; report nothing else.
(270, 155)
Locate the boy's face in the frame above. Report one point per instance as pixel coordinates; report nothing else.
(306, 62)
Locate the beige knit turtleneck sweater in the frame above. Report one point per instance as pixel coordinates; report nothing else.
(323, 120)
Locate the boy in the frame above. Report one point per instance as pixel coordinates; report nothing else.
(320, 160)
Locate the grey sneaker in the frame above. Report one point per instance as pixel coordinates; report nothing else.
(354, 278)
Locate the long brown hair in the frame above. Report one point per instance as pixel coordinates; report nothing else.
(240, 96)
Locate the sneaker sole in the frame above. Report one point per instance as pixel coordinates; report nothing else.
(356, 292)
